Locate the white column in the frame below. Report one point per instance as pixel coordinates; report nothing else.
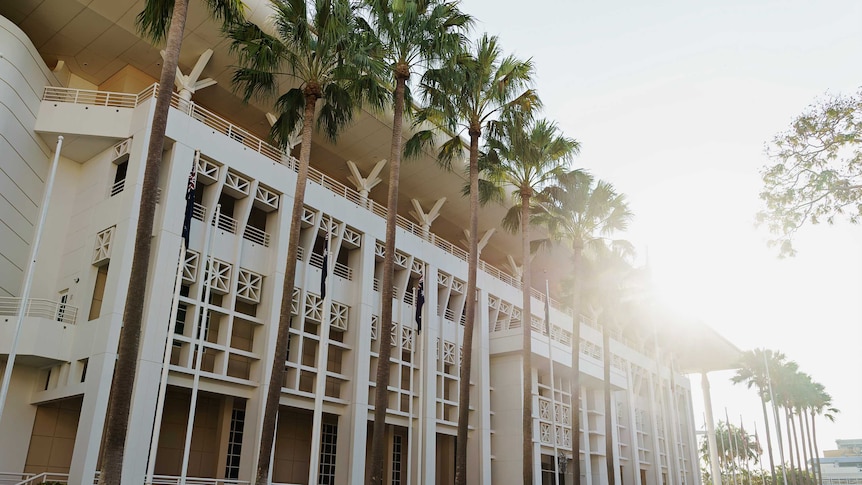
(633, 426)
(425, 219)
(710, 431)
(188, 85)
(365, 184)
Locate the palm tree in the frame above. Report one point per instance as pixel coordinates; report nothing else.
(467, 95)
(736, 445)
(410, 35)
(321, 53)
(821, 405)
(753, 372)
(161, 20)
(526, 156)
(583, 215)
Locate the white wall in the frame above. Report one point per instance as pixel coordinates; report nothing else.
(24, 157)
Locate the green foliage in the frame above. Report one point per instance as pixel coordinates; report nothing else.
(817, 171)
(154, 20)
(324, 55)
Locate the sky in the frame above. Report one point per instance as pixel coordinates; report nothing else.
(673, 102)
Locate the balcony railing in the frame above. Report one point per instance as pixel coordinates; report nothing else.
(252, 142)
(39, 307)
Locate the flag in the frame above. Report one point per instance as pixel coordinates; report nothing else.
(420, 302)
(190, 199)
(325, 269)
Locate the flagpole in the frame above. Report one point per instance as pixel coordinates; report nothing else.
(733, 449)
(420, 303)
(198, 339)
(322, 359)
(28, 278)
(172, 323)
(745, 447)
(413, 354)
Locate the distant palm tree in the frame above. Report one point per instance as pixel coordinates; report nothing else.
(752, 371)
(322, 53)
(584, 215)
(410, 35)
(736, 445)
(161, 20)
(820, 405)
(467, 94)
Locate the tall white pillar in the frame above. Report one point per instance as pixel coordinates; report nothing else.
(715, 471)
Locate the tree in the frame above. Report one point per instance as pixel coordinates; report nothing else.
(161, 20)
(736, 448)
(410, 35)
(584, 214)
(752, 371)
(467, 94)
(322, 53)
(815, 175)
(526, 156)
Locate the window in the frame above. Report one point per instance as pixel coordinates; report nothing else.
(396, 459)
(234, 443)
(98, 292)
(329, 436)
(61, 308)
(120, 178)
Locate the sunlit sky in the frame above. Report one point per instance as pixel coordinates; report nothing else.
(673, 102)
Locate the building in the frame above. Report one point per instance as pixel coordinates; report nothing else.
(842, 466)
(77, 68)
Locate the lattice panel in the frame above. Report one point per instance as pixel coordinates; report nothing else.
(443, 279)
(393, 334)
(121, 148)
(102, 249)
(407, 338)
(352, 238)
(563, 414)
(308, 216)
(313, 307)
(294, 302)
(416, 267)
(401, 259)
(591, 349)
(207, 171)
(219, 276)
(375, 326)
(493, 302)
(237, 184)
(449, 352)
(379, 249)
(190, 266)
(248, 286)
(545, 434)
(458, 286)
(266, 198)
(338, 316)
(545, 409)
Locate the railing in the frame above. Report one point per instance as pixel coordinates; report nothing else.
(227, 223)
(343, 271)
(256, 235)
(118, 187)
(39, 307)
(251, 141)
(45, 478)
(172, 480)
(9, 478)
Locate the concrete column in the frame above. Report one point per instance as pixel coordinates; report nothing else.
(715, 471)
(365, 184)
(353, 426)
(425, 219)
(188, 85)
(633, 427)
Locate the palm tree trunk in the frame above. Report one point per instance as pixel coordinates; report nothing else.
(799, 465)
(381, 392)
(787, 421)
(469, 325)
(276, 379)
(527, 343)
(804, 465)
(810, 445)
(576, 362)
(609, 435)
(119, 401)
(768, 435)
(816, 448)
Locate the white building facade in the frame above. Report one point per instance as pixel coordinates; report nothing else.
(54, 415)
